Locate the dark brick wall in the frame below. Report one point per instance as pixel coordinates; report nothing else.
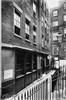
(8, 23)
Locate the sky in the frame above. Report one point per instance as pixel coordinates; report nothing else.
(53, 3)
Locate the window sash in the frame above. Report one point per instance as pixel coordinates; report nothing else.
(55, 36)
(34, 33)
(34, 38)
(65, 32)
(55, 23)
(64, 17)
(16, 20)
(64, 5)
(55, 13)
(55, 50)
(27, 29)
(34, 7)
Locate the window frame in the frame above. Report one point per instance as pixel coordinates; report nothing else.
(34, 62)
(17, 20)
(64, 5)
(64, 32)
(55, 36)
(64, 17)
(54, 24)
(34, 9)
(34, 33)
(55, 48)
(27, 29)
(55, 14)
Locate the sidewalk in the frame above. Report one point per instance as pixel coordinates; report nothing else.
(64, 98)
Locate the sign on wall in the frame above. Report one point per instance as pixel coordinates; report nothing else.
(8, 74)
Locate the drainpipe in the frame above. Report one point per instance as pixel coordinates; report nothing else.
(0, 51)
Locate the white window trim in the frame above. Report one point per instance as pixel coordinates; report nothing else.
(17, 7)
(64, 18)
(16, 20)
(55, 23)
(55, 13)
(64, 32)
(34, 7)
(64, 5)
(55, 36)
(27, 17)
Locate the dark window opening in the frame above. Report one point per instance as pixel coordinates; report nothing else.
(34, 62)
(19, 64)
(17, 30)
(28, 63)
(27, 36)
(34, 38)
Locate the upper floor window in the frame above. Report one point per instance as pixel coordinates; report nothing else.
(34, 9)
(55, 50)
(55, 13)
(34, 34)
(64, 5)
(17, 22)
(64, 32)
(42, 40)
(64, 17)
(55, 36)
(27, 28)
(42, 20)
(55, 23)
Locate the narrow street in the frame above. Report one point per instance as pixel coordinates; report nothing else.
(33, 50)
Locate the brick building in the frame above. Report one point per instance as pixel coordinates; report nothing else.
(25, 44)
(58, 30)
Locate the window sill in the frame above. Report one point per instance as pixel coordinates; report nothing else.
(34, 44)
(33, 70)
(18, 36)
(19, 76)
(27, 40)
(28, 73)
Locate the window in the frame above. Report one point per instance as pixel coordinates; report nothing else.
(28, 63)
(34, 62)
(17, 22)
(55, 50)
(45, 24)
(55, 13)
(42, 40)
(64, 32)
(64, 17)
(34, 9)
(55, 36)
(64, 47)
(27, 29)
(55, 23)
(19, 63)
(34, 34)
(64, 5)
(42, 21)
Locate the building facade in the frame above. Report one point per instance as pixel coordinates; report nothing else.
(25, 45)
(58, 27)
